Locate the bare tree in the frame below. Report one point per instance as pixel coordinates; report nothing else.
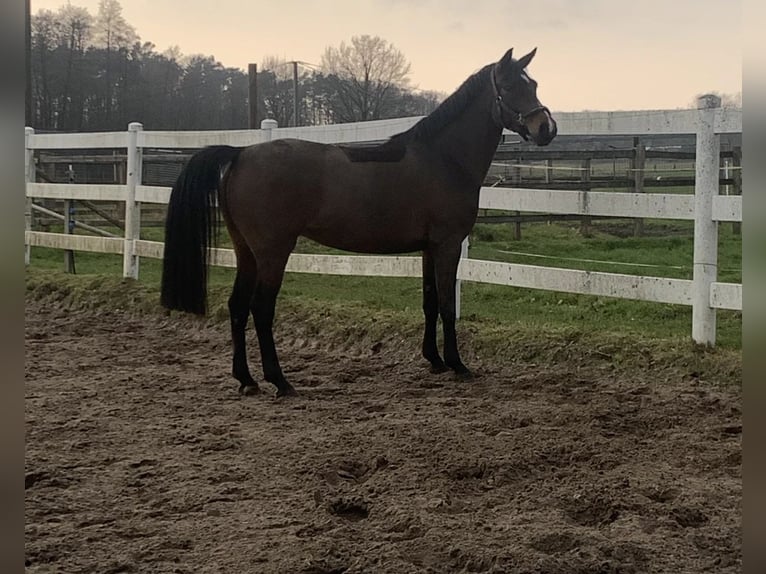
(365, 73)
(46, 34)
(76, 28)
(111, 29)
(113, 33)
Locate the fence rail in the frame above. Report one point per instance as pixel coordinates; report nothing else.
(706, 208)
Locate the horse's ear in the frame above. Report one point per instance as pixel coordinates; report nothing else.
(507, 59)
(525, 60)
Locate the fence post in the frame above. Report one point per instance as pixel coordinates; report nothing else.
(463, 255)
(69, 225)
(29, 177)
(639, 167)
(585, 229)
(268, 125)
(706, 186)
(132, 208)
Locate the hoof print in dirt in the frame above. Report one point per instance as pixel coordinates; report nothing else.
(349, 508)
(330, 565)
(660, 494)
(595, 511)
(555, 543)
(689, 517)
(352, 470)
(32, 478)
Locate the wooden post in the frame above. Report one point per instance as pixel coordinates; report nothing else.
(639, 166)
(585, 178)
(706, 186)
(120, 170)
(737, 187)
(252, 96)
(132, 208)
(69, 226)
(29, 177)
(517, 183)
(549, 175)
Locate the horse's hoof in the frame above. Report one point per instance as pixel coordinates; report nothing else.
(287, 391)
(437, 368)
(249, 390)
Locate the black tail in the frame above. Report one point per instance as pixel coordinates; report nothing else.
(190, 228)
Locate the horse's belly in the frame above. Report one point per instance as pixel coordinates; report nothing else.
(370, 232)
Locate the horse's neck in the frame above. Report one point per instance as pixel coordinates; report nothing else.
(471, 140)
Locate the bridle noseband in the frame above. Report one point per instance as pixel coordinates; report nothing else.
(518, 117)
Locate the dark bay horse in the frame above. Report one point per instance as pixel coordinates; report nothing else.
(418, 191)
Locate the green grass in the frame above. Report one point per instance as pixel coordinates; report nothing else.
(667, 246)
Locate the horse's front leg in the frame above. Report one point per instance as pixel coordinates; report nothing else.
(431, 313)
(446, 259)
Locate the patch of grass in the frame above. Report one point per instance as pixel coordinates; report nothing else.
(357, 322)
(665, 245)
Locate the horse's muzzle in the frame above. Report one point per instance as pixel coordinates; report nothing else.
(546, 132)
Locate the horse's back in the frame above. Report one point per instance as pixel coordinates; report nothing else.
(296, 187)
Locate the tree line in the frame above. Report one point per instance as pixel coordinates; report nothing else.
(92, 72)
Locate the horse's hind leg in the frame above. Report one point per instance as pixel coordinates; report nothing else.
(239, 310)
(431, 313)
(271, 269)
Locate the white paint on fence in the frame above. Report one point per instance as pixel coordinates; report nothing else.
(706, 208)
(77, 141)
(727, 208)
(75, 242)
(658, 206)
(726, 296)
(657, 289)
(153, 194)
(645, 122)
(82, 191)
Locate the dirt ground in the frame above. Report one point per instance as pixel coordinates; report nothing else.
(142, 457)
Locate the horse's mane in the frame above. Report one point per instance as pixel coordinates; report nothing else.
(427, 128)
(434, 122)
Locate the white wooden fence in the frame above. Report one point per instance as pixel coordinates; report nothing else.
(706, 208)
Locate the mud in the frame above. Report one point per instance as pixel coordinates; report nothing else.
(142, 457)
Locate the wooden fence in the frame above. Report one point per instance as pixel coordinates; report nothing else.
(706, 207)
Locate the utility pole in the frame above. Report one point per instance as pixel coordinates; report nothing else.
(252, 96)
(295, 94)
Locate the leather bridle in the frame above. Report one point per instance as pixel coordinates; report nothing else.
(518, 118)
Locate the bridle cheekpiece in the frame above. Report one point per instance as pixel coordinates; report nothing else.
(517, 117)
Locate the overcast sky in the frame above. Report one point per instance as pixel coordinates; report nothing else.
(592, 54)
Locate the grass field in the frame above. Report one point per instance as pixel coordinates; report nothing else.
(664, 250)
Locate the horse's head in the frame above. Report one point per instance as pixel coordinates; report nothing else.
(516, 105)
